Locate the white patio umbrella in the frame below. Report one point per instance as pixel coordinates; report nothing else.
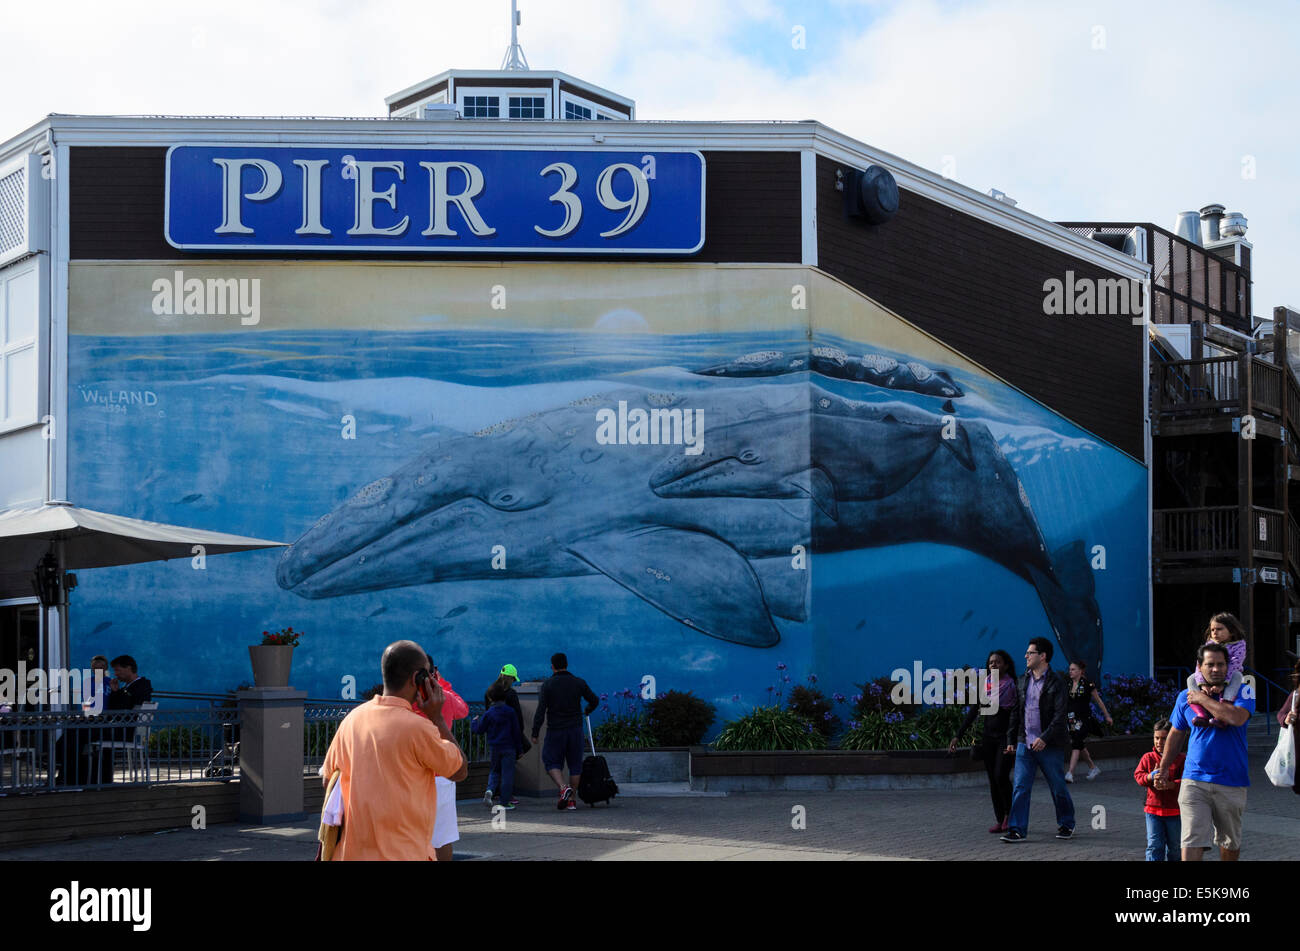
(83, 538)
(90, 539)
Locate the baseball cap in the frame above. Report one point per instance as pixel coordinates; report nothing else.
(509, 669)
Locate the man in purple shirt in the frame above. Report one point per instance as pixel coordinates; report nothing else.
(1039, 730)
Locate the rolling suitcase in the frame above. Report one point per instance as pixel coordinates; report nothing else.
(595, 784)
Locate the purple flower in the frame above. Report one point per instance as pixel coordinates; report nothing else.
(780, 666)
(857, 698)
(826, 715)
(604, 696)
(812, 678)
(853, 724)
(807, 727)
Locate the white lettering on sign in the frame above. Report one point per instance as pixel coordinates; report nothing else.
(438, 199)
(232, 173)
(364, 223)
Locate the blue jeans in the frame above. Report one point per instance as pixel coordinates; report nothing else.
(1052, 762)
(501, 779)
(1164, 833)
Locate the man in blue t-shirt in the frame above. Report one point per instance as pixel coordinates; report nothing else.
(1213, 794)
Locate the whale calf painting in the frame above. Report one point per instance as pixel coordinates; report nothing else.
(874, 368)
(705, 536)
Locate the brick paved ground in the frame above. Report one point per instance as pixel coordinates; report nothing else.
(907, 824)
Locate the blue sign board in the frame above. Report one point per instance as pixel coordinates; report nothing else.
(442, 200)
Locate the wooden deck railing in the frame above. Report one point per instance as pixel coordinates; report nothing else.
(1214, 533)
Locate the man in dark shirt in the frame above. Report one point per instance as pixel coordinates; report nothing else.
(127, 688)
(1038, 736)
(560, 699)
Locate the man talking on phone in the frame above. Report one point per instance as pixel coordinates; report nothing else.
(389, 759)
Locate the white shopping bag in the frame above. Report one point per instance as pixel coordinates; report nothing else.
(1280, 767)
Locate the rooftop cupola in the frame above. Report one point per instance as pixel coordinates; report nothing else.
(512, 92)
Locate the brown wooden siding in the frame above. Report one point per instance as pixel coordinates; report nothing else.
(979, 289)
(418, 95)
(117, 206)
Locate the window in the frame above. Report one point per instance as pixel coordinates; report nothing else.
(527, 107)
(575, 111)
(482, 107)
(601, 115)
(19, 293)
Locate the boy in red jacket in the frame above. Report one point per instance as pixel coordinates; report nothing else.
(1164, 824)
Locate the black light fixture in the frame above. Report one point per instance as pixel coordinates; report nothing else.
(871, 194)
(46, 580)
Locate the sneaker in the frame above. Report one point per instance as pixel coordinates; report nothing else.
(1069, 777)
(1065, 833)
(564, 794)
(567, 799)
(514, 801)
(571, 806)
(1094, 772)
(507, 805)
(1000, 827)
(1013, 836)
(487, 798)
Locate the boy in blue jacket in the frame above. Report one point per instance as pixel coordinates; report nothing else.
(505, 740)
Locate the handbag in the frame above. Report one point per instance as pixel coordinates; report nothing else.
(1280, 767)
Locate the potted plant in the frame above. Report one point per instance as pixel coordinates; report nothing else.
(273, 657)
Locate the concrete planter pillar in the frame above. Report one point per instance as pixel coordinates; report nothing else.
(530, 777)
(271, 754)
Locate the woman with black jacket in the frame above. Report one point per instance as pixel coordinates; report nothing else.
(993, 743)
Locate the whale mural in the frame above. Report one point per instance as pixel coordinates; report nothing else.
(877, 369)
(845, 498)
(700, 539)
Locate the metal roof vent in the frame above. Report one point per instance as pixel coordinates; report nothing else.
(439, 111)
(1234, 225)
(1188, 227)
(1002, 197)
(1211, 215)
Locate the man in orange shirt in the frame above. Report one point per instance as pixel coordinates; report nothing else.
(389, 758)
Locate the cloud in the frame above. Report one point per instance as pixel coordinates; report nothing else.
(1156, 121)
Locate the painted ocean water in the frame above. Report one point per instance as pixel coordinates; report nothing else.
(244, 434)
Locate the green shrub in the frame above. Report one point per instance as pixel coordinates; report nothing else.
(180, 741)
(938, 725)
(628, 731)
(318, 736)
(811, 704)
(876, 698)
(770, 728)
(627, 727)
(679, 718)
(885, 731)
(1135, 703)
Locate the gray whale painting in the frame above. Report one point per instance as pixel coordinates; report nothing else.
(877, 369)
(707, 536)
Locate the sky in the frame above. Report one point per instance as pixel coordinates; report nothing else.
(1121, 111)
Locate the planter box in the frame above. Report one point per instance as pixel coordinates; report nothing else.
(660, 765)
(271, 664)
(841, 769)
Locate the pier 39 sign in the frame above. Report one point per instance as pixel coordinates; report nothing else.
(444, 200)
